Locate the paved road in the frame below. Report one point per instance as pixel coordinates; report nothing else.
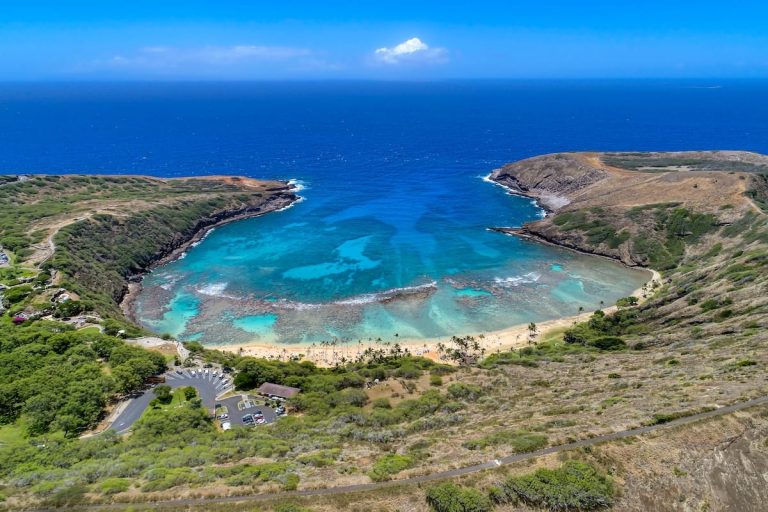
(208, 387)
(440, 475)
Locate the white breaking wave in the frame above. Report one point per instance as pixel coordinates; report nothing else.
(368, 298)
(170, 281)
(509, 191)
(509, 282)
(213, 289)
(487, 179)
(205, 235)
(298, 185)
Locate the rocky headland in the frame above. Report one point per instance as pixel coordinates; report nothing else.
(603, 203)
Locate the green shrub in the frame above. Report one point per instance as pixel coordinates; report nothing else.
(608, 343)
(163, 393)
(70, 308)
(743, 363)
(573, 486)
(435, 380)
(381, 403)
(114, 485)
(666, 417)
(408, 371)
(17, 294)
(520, 441)
(461, 391)
(389, 465)
(68, 496)
(291, 482)
(449, 497)
(626, 302)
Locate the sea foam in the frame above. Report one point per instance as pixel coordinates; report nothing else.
(509, 282)
(213, 289)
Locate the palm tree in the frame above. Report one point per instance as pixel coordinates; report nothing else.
(531, 331)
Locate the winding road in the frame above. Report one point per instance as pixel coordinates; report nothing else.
(440, 475)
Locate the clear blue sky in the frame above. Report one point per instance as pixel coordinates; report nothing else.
(331, 39)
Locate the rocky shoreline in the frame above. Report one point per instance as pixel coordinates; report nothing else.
(562, 243)
(283, 198)
(550, 180)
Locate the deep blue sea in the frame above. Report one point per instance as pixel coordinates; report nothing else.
(390, 241)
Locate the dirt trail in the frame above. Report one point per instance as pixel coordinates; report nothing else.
(44, 250)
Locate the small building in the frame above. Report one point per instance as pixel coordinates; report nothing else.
(276, 390)
(225, 425)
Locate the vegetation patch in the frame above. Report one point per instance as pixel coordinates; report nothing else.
(573, 486)
(449, 497)
(666, 417)
(389, 465)
(55, 376)
(520, 440)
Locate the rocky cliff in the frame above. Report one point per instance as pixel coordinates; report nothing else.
(595, 206)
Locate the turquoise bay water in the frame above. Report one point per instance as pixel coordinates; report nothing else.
(392, 237)
(345, 265)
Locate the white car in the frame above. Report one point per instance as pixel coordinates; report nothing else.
(206, 371)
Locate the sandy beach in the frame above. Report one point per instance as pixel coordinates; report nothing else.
(494, 341)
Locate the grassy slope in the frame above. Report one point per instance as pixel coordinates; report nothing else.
(106, 228)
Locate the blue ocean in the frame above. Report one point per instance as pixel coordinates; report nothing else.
(390, 240)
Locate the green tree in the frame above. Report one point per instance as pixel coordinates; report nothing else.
(163, 393)
(190, 393)
(126, 379)
(40, 411)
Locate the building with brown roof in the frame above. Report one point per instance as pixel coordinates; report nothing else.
(276, 390)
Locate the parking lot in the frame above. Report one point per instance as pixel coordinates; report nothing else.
(240, 407)
(208, 384)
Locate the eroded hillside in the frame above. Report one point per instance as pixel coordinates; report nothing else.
(698, 217)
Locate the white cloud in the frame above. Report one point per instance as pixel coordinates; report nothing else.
(412, 50)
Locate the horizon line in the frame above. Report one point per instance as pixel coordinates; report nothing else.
(375, 80)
